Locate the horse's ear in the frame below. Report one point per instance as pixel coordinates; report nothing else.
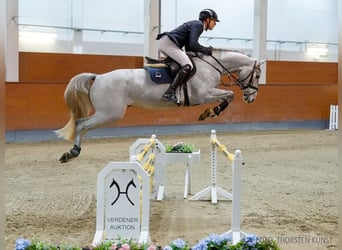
(261, 62)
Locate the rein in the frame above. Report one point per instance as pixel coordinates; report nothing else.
(236, 80)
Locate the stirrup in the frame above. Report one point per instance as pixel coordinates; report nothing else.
(170, 97)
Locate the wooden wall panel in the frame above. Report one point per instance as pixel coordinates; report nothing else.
(41, 106)
(295, 91)
(32, 106)
(287, 103)
(301, 72)
(56, 67)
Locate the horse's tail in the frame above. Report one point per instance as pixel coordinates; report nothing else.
(76, 96)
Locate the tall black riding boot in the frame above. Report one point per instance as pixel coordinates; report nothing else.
(170, 94)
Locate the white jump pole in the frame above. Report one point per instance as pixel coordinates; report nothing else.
(333, 119)
(214, 189)
(235, 231)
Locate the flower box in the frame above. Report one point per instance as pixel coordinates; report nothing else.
(184, 158)
(187, 159)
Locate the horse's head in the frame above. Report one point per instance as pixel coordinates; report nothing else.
(248, 80)
(247, 69)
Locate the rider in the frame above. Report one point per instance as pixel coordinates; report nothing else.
(186, 35)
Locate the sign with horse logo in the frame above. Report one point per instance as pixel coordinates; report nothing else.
(122, 208)
(122, 204)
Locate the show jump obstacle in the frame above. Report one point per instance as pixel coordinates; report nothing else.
(237, 163)
(213, 189)
(124, 189)
(150, 154)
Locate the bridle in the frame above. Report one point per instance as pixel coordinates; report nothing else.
(224, 71)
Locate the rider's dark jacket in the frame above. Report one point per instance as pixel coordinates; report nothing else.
(187, 35)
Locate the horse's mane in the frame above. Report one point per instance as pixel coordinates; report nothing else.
(231, 50)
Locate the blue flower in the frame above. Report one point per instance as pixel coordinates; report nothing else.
(227, 237)
(250, 240)
(200, 246)
(179, 243)
(167, 248)
(22, 244)
(213, 240)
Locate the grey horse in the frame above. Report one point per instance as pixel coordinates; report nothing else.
(95, 100)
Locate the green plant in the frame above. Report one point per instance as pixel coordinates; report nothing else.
(180, 147)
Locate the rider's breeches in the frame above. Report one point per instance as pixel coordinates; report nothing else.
(169, 48)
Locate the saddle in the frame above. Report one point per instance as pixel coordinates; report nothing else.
(161, 70)
(164, 70)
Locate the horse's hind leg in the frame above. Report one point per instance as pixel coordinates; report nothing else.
(82, 126)
(76, 150)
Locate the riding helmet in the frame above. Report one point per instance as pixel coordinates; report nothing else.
(204, 14)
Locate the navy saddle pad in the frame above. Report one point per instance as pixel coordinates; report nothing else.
(159, 74)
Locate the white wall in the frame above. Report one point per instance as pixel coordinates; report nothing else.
(292, 25)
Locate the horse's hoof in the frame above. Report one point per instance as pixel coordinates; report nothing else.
(204, 115)
(73, 153)
(65, 157)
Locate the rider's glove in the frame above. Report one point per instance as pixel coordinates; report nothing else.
(209, 51)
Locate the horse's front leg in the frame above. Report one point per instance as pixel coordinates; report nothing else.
(224, 95)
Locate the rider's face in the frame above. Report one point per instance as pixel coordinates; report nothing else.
(211, 23)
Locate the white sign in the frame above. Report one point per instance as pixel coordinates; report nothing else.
(122, 204)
